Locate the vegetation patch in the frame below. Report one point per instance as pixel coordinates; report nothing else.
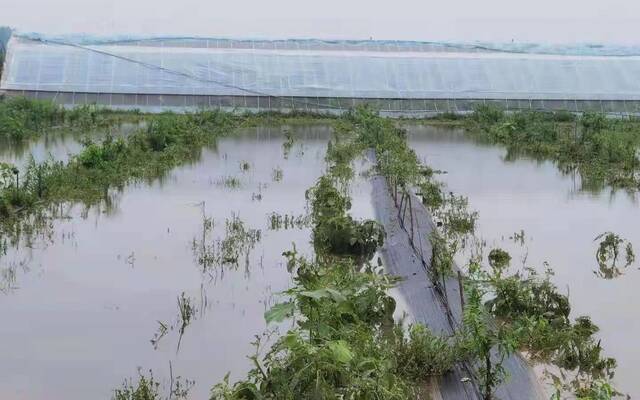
(610, 249)
(337, 233)
(229, 251)
(288, 221)
(604, 151)
(503, 313)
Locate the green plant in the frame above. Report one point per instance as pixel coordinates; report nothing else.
(334, 231)
(287, 144)
(148, 388)
(503, 312)
(609, 250)
(482, 337)
(422, 354)
(604, 151)
(277, 174)
(237, 243)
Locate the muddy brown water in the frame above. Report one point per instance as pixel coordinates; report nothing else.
(80, 312)
(560, 223)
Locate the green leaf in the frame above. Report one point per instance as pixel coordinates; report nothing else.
(336, 295)
(324, 293)
(279, 312)
(315, 294)
(340, 351)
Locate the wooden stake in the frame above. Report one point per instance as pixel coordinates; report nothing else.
(461, 288)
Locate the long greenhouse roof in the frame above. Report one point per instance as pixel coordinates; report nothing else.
(317, 68)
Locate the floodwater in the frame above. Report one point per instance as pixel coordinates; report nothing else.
(55, 145)
(81, 309)
(560, 224)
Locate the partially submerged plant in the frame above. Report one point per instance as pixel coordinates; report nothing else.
(245, 166)
(229, 250)
(287, 144)
(148, 388)
(528, 312)
(229, 182)
(277, 174)
(609, 250)
(337, 233)
(186, 312)
(288, 221)
(604, 151)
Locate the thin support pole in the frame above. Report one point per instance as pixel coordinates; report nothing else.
(411, 216)
(461, 288)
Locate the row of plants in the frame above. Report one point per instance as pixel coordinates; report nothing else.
(504, 313)
(104, 167)
(22, 118)
(505, 310)
(604, 151)
(344, 342)
(351, 352)
(166, 142)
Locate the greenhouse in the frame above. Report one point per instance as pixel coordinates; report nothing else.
(156, 74)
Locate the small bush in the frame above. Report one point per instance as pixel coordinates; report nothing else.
(423, 354)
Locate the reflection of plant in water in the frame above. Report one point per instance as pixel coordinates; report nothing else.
(7, 278)
(609, 249)
(258, 196)
(34, 230)
(288, 221)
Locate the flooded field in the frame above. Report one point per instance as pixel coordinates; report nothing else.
(175, 275)
(107, 292)
(56, 145)
(560, 224)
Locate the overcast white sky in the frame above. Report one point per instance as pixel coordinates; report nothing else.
(558, 21)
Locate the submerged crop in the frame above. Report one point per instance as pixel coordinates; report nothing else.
(528, 312)
(604, 151)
